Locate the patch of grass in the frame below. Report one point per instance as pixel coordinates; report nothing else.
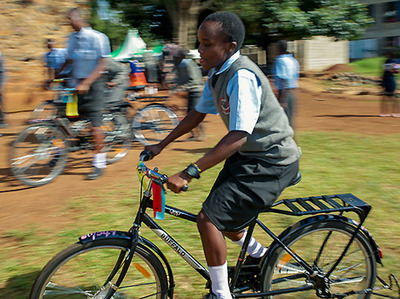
(369, 66)
(331, 163)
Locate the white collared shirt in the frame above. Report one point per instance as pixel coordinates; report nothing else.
(85, 48)
(244, 91)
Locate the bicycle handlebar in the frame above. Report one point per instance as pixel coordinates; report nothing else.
(153, 174)
(60, 88)
(146, 156)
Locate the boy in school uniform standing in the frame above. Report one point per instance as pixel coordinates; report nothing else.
(261, 155)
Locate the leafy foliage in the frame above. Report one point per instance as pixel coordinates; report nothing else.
(269, 20)
(266, 20)
(147, 16)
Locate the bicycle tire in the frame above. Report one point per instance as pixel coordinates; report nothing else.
(81, 270)
(356, 271)
(118, 138)
(38, 154)
(153, 123)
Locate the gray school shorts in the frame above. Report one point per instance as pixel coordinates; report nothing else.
(244, 188)
(91, 104)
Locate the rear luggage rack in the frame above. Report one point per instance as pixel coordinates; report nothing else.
(322, 204)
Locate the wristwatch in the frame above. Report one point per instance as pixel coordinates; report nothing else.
(193, 171)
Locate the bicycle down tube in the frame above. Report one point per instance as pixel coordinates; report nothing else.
(170, 241)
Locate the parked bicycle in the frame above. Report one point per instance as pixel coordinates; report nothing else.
(39, 153)
(150, 123)
(326, 255)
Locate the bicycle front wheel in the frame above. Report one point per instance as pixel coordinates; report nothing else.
(90, 271)
(118, 138)
(153, 123)
(38, 154)
(321, 244)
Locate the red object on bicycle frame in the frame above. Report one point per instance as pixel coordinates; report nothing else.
(158, 201)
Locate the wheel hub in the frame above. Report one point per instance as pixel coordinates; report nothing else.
(321, 284)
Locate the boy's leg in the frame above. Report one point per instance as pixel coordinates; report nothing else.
(214, 247)
(396, 106)
(213, 240)
(254, 248)
(385, 106)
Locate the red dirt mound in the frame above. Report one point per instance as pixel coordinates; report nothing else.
(339, 68)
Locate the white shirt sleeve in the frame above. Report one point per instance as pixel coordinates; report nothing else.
(206, 101)
(244, 91)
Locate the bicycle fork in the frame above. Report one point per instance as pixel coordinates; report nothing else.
(123, 263)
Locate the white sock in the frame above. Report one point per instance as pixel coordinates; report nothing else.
(255, 249)
(219, 281)
(99, 160)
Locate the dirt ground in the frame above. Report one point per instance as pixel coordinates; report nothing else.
(318, 110)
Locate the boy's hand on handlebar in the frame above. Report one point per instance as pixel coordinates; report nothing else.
(176, 182)
(155, 149)
(82, 88)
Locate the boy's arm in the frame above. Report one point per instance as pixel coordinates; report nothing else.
(85, 84)
(228, 145)
(192, 119)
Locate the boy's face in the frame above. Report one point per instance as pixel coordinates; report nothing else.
(75, 20)
(214, 48)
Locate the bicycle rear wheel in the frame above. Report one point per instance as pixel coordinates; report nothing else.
(153, 123)
(320, 244)
(118, 138)
(38, 154)
(86, 271)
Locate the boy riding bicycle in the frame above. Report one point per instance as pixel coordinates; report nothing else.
(261, 155)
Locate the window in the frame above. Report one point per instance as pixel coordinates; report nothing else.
(391, 12)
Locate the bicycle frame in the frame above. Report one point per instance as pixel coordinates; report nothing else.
(358, 206)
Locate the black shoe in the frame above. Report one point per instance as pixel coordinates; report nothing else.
(248, 276)
(97, 172)
(251, 262)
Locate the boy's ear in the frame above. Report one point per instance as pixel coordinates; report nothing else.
(232, 47)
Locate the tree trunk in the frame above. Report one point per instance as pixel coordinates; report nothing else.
(184, 16)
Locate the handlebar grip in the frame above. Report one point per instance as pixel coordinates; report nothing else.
(146, 155)
(185, 188)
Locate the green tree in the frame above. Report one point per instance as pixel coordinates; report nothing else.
(265, 20)
(296, 19)
(148, 16)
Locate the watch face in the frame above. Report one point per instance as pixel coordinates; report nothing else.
(192, 171)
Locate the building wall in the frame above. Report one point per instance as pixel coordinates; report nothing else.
(317, 53)
(385, 31)
(321, 53)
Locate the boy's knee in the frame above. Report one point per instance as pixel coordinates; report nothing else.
(202, 221)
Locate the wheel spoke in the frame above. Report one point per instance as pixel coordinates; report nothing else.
(355, 272)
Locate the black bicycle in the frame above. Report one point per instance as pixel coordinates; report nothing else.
(325, 255)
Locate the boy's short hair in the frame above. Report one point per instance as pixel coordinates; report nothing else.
(178, 52)
(232, 26)
(282, 46)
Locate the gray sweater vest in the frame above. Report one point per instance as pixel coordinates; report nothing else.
(272, 137)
